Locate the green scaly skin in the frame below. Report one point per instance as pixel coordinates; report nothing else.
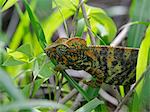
(111, 65)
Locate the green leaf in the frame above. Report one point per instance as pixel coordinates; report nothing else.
(143, 98)
(26, 49)
(70, 4)
(108, 26)
(43, 8)
(2, 3)
(18, 55)
(137, 13)
(12, 62)
(36, 26)
(52, 24)
(80, 27)
(143, 58)
(9, 87)
(90, 105)
(33, 104)
(98, 17)
(36, 69)
(92, 92)
(8, 4)
(22, 30)
(32, 88)
(46, 70)
(75, 84)
(145, 93)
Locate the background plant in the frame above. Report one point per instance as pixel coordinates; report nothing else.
(26, 73)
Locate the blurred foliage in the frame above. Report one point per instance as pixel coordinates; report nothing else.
(137, 13)
(25, 68)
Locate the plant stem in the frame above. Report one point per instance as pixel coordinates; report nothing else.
(132, 89)
(87, 23)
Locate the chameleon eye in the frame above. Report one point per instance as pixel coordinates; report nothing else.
(61, 49)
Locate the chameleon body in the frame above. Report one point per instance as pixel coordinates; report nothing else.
(111, 65)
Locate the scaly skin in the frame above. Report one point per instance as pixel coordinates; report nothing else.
(111, 65)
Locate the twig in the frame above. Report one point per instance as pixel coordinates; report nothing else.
(87, 23)
(65, 24)
(12, 24)
(113, 90)
(68, 97)
(59, 89)
(132, 89)
(61, 32)
(78, 100)
(74, 21)
(120, 37)
(107, 97)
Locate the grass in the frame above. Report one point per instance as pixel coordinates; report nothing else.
(26, 73)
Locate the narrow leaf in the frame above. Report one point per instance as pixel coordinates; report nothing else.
(46, 70)
(10, 61)
(80, 27)
(90, 105)
(9, 87)
(33, 103)
(36, 25)
(137, 13)
(26, 49)
(75, 84)
(32, 88)
(8, 4)
(143, 58)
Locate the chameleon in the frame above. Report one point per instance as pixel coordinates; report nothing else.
(106, 64)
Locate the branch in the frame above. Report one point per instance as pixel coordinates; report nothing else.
(87, 23)
(78, 99)
(120, 37)
(70, 95)
(132, 89)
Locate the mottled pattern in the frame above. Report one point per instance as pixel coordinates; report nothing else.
(111, 65)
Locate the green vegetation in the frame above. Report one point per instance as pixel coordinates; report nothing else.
(28, 81)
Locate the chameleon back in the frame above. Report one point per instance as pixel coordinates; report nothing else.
(112, 65)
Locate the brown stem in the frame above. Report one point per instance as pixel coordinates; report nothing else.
(132, 89)
(87, 23)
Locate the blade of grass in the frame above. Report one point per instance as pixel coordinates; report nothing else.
(136, 33)
(75, 84)
(9, 87)
(36, 26)
(143, 54)
(8, 4)
(22, 30)
(90, 105)
(33, 103)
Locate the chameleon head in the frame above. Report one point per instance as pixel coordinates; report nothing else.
(56, 51)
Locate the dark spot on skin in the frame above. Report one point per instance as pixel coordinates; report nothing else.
(123, 62)
(118, 53)
(114, 63)
(104, 59)
(134, 52)
(104, 51)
